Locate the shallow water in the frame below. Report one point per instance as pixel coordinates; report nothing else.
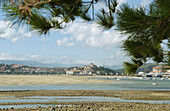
(73, 99)
(137, 84)
(142, 84)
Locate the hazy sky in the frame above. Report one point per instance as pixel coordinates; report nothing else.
(78, 43)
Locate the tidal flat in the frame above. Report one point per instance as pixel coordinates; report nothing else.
(82, 93)
(87, 105)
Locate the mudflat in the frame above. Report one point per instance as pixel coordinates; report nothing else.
(80, 106)
(51, 79)
(124, 94)
(98, 106)
(91, 106)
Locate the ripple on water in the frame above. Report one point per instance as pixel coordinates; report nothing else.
(135, 84)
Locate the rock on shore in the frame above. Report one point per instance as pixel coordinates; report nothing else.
(100, 106)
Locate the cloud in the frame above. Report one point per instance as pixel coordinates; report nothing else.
(91, 35)
(102, 4)
(64, 42)
(110, 57)
(43, 39)
(122, 1)
(65, 60)
(82, 62)
(14, 39)
(11, 33)
(65, 57)
(4, 56)
(8, 56)
(115, 59)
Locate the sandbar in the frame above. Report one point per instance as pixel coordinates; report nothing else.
(52, 79)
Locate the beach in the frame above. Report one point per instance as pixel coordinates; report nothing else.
(35, 99)
(51, 79)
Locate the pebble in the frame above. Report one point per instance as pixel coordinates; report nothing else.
(52, 109)
(38, 106)
(12, 107)
(88, 107)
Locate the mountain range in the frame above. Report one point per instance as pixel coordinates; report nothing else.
(119, 68)
(50, 65)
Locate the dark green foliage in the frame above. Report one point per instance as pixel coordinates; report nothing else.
(43, 24)
(132, 67)
(106, 19)
(146, 28)
(147, 67)
(54, 14)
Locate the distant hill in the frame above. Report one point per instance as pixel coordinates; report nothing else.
(118, 68)
(37, 64)
(114, 67)
(147, 67)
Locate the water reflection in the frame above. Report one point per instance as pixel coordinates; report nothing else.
(70, 99)
(137, 84)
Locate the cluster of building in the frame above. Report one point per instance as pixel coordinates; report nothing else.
(87, 69)
(158, 71)
(81, 70)
(90, 69)
(24, 69)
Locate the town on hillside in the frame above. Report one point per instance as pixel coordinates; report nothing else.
(81, 70)
(90, 69)
(157, 71)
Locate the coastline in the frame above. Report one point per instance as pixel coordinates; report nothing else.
(54, 79)
(123, 94)
(97, 106)
(150, 95)
(90, 105)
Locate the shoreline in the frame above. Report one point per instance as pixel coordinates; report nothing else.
(6, 80)
(123, 94)
(54, 79)
(97, 106)
(89, 105)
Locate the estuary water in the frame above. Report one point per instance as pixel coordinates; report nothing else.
(69, 99)
(129, 84)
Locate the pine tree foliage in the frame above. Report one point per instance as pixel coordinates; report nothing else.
(146, 28)
(43, 15)
(106, 19)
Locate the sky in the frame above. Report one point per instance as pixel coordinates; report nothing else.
(78, 43)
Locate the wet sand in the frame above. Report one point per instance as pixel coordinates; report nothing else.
(92, 106)
(124, 94)
(98, 106)
(51, 79)
(80, 106)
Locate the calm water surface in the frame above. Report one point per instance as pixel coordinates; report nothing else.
(137, 84)
(70, 99)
